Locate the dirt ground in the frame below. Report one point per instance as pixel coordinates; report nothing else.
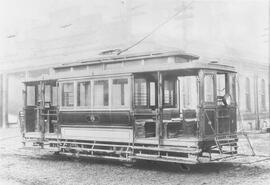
(26, 166)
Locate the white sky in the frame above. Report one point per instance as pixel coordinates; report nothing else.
(215, 28)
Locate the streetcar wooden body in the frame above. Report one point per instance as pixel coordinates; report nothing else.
(163, 106)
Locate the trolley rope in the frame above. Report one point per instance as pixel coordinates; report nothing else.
(241, 120)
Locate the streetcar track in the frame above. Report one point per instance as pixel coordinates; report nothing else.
(6, 138)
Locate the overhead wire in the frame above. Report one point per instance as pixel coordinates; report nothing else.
(156, 28)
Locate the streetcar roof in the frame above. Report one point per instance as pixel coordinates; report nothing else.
(129, 57)
(134, 63)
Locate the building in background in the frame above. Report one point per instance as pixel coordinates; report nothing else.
(214, 30)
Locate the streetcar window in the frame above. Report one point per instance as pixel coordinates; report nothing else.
(152, 94)
(101, 93)
(68, 94)
(120, 92)
(188, 92)
(30, 95)
(38, 93)
(209, 88)
(169, 93)
(221, 87)
(47, 93)
(140, 92)
(83, 94)
(54, 96)
(232, 86)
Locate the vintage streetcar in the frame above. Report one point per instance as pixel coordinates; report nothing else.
(162, 106)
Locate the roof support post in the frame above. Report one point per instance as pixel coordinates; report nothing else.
(160, 107)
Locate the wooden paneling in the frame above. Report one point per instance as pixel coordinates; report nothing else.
(95, 118)
(98, 134)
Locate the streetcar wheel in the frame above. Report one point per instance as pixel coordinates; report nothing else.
(184, 167)
(56, 153)
(128, 164)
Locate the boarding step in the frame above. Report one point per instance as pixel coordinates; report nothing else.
(183, 160)
(78, 149)
(226, 144)
(89, 144)
(169, 149)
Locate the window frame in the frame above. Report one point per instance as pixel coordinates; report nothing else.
(219, 78)
(174, 93)
(110, 78)
(186, 83)
(108, 94)
(77, 94)
(128, 103)
(147, 93)
(231, 83)
(206, 73)
(55, 99)
(61, 94)
(34, 98)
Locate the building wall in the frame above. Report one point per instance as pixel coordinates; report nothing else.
(257, 117)
(15, 99)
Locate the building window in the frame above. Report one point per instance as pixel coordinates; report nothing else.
(248, 103)
(101, 93)
(83, 94)
(263, 107)
(68, 94)
(120, 92)
(140, 92)
(169, 93)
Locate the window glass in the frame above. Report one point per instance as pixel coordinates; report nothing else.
(54, 96)
(152, 94)
(140, 92)
(120, 92)
(38, 93)
(68, 94)
(232, 86)
(188, 92)
(169, 93)
(101, 93)
(221, 90)
(47, 93)
(30, 95)
(83, 94)
(209, 88)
